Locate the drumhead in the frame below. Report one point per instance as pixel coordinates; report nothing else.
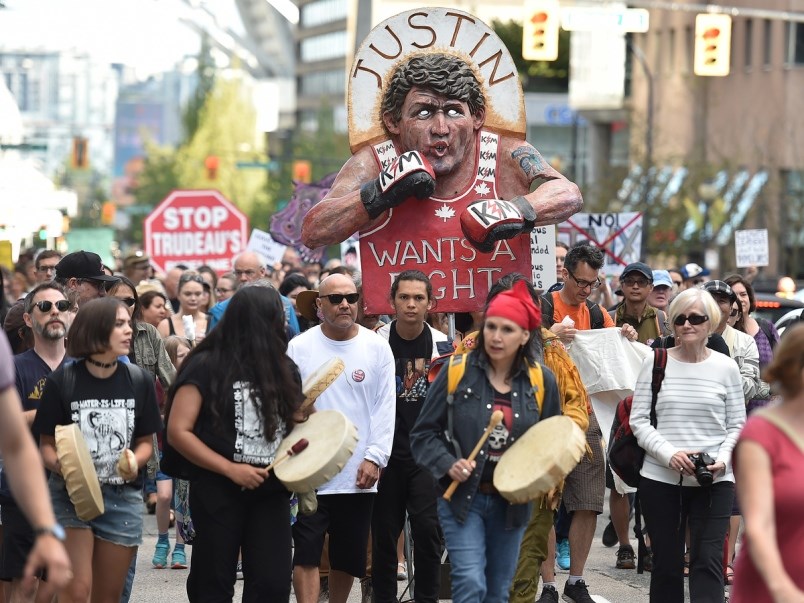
(78, 470)
(332, 440)
(321, 379)
(540, 459)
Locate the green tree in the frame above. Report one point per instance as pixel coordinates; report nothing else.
(206, 81)
(536, 76)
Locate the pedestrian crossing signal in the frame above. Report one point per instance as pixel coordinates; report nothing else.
(540, 30)
(712, 45)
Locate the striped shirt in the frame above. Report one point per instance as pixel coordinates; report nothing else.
(700, 407)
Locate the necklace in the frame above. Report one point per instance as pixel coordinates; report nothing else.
(104, 365)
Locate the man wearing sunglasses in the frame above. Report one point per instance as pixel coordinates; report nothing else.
(366, 394)
(82, 276)
(47, 313)
(742, 347)
(45, 264)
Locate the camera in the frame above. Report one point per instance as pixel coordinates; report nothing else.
(702, 473)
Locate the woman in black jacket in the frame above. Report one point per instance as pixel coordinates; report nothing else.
(482, 530)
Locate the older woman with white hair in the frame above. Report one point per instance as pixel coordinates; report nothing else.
(687, 475)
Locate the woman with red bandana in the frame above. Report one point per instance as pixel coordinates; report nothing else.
(482, 530)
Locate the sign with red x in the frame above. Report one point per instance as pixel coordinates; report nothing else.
(619, 235)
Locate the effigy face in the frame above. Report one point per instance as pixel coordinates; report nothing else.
(427, 31)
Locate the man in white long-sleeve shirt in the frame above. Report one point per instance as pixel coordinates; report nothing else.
(366, 394)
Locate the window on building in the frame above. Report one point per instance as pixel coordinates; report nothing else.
(766, 43)
(323, 11)
(795, 44)
(749, 42)
(657, 53)
(323, 47)
(689, 49)
(322, 83)
(671, 50)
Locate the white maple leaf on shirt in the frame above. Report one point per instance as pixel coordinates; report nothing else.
(445, 212)
(482, 189)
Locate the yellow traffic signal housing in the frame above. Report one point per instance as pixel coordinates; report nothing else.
(712, 45)
(540, 30)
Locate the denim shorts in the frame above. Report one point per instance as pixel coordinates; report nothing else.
(121, 521)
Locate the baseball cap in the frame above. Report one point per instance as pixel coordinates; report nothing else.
(693, 270)
(83, 264)
(135, 257)
(719, 287)
(661, 278)
(639, 267)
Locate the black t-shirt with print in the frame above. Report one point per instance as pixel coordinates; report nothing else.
(109, 412)
(412, 358)
(498, 438)
(239, 435)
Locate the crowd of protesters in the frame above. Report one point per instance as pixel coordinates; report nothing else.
(114, 348)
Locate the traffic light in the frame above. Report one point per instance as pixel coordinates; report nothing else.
(211, 163)
(540, 30)
(302, 171)
(80, 156)
(108, 211)
(712, 45)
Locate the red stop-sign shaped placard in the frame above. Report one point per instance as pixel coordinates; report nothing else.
(195, 227)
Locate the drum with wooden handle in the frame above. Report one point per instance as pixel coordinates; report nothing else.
(78, 471)
(321, 379)
(332, 438)
(540, 459)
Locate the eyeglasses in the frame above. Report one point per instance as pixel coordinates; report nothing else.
(221, 291)
(630, 282)
(734, 312)
(129, 301)
(582, 284)
(695, 319)
(336, 298)
(62, 305)
(195, 278)
(46, 269)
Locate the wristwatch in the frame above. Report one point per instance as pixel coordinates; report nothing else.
(55, 530)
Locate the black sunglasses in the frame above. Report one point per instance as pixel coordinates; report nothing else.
(129, 301)
(337, 298)
(695, 319)
(62, 305)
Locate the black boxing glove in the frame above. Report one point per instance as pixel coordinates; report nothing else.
(485, 222)
(411, 175)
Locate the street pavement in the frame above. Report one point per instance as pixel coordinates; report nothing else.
(606, 584)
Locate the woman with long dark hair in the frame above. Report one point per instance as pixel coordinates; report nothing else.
(114, 404)
(233, 401)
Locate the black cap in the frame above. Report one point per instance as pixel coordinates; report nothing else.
(640, 267)
(715, 287)
(83, 264)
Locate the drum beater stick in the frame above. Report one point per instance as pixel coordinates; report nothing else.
(496, 418)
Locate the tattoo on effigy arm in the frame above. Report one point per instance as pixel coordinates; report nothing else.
(530, 161)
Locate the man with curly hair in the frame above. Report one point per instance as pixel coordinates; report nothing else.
(433, 110)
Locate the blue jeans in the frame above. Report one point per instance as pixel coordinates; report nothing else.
(482, 552)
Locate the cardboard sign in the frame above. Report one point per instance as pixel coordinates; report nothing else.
(195, 227)
(751, 247)
(261, 242)
(543, 257)
(618, 235)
